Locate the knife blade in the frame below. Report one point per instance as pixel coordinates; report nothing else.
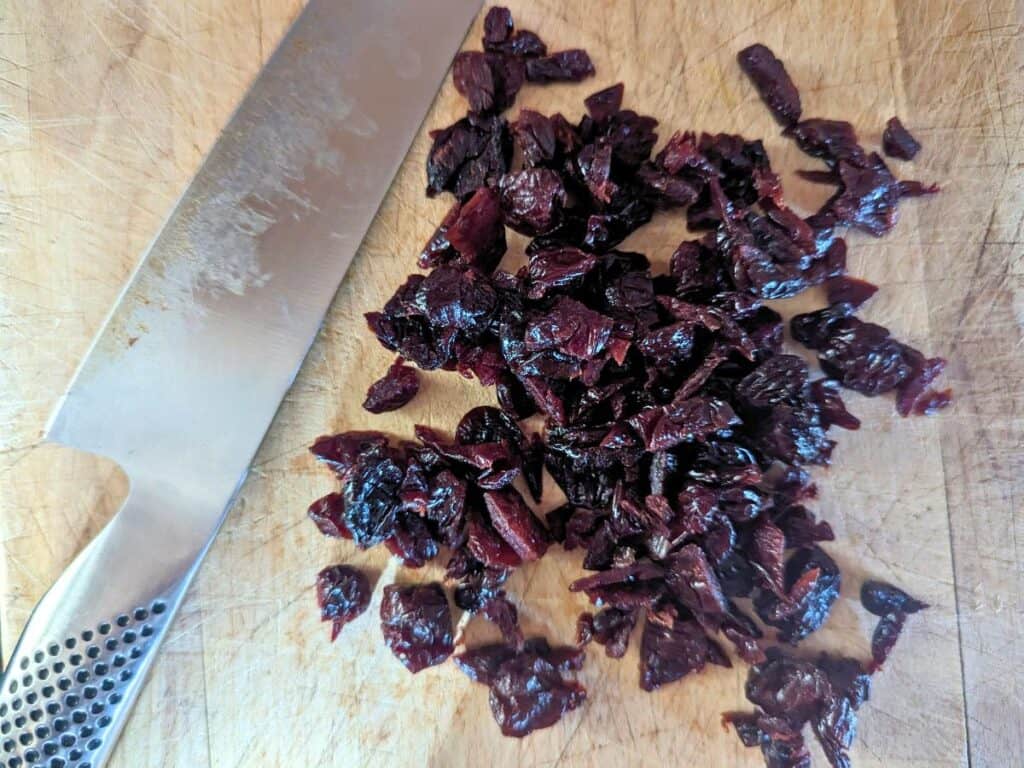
(183, 381)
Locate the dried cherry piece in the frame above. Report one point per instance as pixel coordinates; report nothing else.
(848, 678)
(477, 233)
(782, 745)
(501, 612)
(529, 692)
(572, 65)
(693, 582)
(487, 546)
(557, 268)
(604, 103)
(471, 73)
(471, 153)
(898, 142)
(411, 540)
(328, 513)
(417, 625)
(881, 599)
(393, 390)
(481, 664)
(446, 506)
(836, 727)
(340, 451)
(787, 687)
(515, 523)
(812, 587)
(532, 200)
(868, 197)
(371, 496)
(342, 592)
(672, 648)
(831, 140)
(536, 136)
(610, 627)
(850, 290)
(513, 398)
(886, 633)
(772, 82)
(497, 26)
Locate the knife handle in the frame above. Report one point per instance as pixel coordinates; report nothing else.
(83, 656)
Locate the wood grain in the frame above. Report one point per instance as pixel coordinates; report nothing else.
(108, 107)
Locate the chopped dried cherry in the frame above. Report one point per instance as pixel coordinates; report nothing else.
(417, 625)
(342, 592)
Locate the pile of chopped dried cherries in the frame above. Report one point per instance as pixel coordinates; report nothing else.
(679, 431)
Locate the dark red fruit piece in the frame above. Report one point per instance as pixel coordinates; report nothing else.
(672, 648)
(528, 692)
(412, 540)
(836, 726)
(897, 141)
(393, 390)
(886, 633)
(812, 587)
(472, 76)
(515, 523)
(533, 200)
(772, 82)
(572, 65)
(787, 687)
(340, 452)
(610, 628)
(782, 745)
(488, 547)
(467, 155)
(868, 196)
(604, 103)
(342, 592)
(371, 496)
(850, 290)
(848, 678)
(536, 137)
(477, 233)
(417, 625)
(693, 582)
(481, 664)
(497, 26)
(831, 140)
(881, 599)
(329, 515)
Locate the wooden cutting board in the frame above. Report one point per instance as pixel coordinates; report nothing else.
(107, 108)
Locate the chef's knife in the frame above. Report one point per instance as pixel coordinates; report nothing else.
(183, 381)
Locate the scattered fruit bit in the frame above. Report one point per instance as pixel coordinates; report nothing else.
(393, 390)
(897, 141)
(529, 689)
(342, 593)
(417, 625)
